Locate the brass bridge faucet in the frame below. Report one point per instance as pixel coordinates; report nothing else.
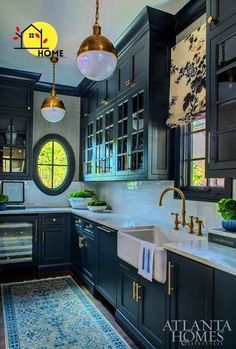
(183, 222)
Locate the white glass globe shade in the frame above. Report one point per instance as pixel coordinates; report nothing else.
(97, 65)
(53, 114)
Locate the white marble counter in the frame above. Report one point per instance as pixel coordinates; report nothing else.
(202, 251)
(108, 218)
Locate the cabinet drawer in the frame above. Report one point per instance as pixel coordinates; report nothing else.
(54, 219)
(89, 227)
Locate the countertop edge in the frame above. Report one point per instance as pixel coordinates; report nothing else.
(201, 260)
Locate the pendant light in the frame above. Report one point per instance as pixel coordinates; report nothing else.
(96, 57)
(53, 109)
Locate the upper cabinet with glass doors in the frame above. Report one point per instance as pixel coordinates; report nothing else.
(221, 92)
(130, 136)
(16, 113)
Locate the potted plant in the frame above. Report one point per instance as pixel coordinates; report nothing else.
(3, 202)
(80, 198)
(96, 205)
(227, 210)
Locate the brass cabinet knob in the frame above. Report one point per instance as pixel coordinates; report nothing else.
(28, 108)
(104, 102)
(129, 83)
(211, 20)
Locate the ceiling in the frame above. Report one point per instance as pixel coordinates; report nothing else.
(73, 20)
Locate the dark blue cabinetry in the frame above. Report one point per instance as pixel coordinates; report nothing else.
(84, 250)
(54, 240)
(225, 305)
(142, 307)
(107, 263)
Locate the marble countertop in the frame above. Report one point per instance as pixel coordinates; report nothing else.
(200, 250)
(108, 218)
(208, 253)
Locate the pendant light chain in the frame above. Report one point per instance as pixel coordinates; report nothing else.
(97, 12)
(54, 76)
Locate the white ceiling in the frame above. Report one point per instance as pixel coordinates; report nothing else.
(73, 20)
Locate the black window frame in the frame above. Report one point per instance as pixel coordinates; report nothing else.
(71, 164)
(207, 194)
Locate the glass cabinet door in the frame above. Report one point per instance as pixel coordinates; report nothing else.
(109, 142)
(13, 145)
(123, 152)
(99, 154)
(222, 132)
(87, 154)
(137, 144)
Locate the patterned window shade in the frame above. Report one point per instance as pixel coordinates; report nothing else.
(188, 79)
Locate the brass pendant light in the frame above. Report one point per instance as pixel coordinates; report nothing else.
(53, 109)
(96, 57)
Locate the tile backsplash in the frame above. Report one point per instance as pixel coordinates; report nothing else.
(140, 200)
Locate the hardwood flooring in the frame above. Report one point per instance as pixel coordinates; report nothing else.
(101, 304)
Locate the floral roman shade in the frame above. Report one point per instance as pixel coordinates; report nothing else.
(188, 79)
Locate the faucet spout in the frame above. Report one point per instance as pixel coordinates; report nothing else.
(182, 198)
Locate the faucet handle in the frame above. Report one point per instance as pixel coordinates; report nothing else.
(177, 222)
(200, 225)
(191, 225)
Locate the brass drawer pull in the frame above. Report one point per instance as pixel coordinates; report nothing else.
(129, 83)
(54, 219)
(81, 242)
(137, 296)
(170, 288)
(78, 221)
(134, 290)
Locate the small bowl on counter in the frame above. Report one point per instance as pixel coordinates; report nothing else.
(96, 205)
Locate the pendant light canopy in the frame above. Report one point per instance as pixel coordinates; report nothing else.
(53, 109)
(96, 57)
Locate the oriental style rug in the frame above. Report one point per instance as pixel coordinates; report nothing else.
(54, 313)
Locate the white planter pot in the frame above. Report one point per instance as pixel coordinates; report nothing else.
(97, 208)
(79, 202)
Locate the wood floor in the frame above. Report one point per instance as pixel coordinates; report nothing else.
(100, 303)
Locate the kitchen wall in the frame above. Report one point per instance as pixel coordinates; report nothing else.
(140, 200)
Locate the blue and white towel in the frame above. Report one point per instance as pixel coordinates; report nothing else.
(146, 256)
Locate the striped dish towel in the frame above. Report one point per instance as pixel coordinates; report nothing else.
(146, 256)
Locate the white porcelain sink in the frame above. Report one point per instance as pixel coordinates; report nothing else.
(129, 244)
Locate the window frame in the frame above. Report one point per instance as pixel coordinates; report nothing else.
(71, 164)
(211, 194)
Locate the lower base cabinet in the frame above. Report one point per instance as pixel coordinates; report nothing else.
(225, 305)
(54, 240)
(84, 250)
(107, 263)
(142, 307)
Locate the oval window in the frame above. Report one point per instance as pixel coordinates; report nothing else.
(54, 164)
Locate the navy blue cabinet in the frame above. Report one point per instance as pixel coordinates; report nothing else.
(137, 145)
(221, 80)
(54, 240)
(84, 250)
(107, 263)
(142, 307)
(225, 305)
(191, 291)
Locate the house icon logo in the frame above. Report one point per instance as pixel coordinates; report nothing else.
(39, 38)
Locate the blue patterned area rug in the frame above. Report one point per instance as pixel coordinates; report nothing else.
(54, 313)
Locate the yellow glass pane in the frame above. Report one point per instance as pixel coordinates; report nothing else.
(60, 156)
(59, 175)
(45, 155)
(45, 175)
